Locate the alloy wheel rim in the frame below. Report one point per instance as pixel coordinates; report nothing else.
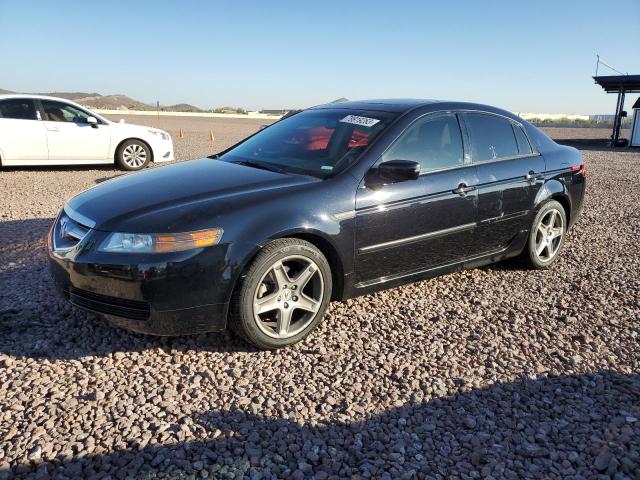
(549, 235)
(288, 297)
(134, 155)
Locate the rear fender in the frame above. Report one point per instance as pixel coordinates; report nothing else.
(553, 190)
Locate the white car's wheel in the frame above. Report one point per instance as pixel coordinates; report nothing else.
(133, 155)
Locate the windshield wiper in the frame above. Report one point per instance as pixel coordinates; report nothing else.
(262, 165)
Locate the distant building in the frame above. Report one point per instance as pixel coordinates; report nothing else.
(552, 116)
(602, 118)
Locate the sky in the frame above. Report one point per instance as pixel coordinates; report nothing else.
(535, 56)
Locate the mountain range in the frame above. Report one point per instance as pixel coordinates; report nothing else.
(113, 102)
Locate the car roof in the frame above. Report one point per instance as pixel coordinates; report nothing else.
(33, 95)
(402, 106)
(395, 105)
(7, 96)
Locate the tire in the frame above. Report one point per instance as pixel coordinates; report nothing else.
(290, 281)
(546, 237)
(133, 155)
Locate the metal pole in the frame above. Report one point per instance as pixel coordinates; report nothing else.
(619, 126)
(616, 119)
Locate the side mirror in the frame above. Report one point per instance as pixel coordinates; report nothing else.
(93, 121)
(399, 170)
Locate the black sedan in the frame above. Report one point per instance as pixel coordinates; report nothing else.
(330, 203)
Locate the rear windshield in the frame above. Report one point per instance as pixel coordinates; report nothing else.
(319, 142)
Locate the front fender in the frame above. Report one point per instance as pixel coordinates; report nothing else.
(328, 231)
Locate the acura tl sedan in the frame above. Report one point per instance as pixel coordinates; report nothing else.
(333, 202)
(39, 130)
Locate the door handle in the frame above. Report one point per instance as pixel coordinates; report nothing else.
(463, 189)
(532, 176)
(53, 129)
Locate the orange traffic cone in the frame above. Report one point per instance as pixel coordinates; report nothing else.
(181, 134)
(211, 139)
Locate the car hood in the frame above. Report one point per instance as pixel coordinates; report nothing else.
(175, 198)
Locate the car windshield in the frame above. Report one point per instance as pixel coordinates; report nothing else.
(318, 142)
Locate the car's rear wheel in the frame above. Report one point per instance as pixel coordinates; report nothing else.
(546, 236)
(133, 155)
(283, 295)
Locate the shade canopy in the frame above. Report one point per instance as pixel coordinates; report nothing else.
(616, 83)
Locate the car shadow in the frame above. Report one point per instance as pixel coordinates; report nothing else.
(509, 265)
(576, 426)
(104, 179)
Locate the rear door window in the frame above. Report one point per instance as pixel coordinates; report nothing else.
(523, 144)
(492, 137)
(18, 108)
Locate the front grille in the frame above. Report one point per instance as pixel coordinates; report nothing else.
(68, 233)
(120, 307)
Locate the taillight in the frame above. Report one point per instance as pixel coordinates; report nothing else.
(581, 169)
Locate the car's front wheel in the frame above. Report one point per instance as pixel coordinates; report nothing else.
(133, 155)
(546, 236)
(283, 295)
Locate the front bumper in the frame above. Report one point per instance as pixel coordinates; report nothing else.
(162, 150)
(161, 294)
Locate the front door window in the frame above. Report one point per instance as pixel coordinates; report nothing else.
(434, 142)
(63, 112)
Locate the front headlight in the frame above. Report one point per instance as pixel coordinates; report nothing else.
(160, 242)
(160, 133)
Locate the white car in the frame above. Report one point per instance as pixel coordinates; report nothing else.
(40, 130)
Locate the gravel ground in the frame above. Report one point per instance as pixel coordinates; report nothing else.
(490, 373)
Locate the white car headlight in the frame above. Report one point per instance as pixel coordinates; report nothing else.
(118, 242)
(160, 133)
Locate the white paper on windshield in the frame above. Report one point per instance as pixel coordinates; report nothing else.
(362, 121)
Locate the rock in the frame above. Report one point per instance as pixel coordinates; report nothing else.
(35, 454)
(470, 422)
(602, 460)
